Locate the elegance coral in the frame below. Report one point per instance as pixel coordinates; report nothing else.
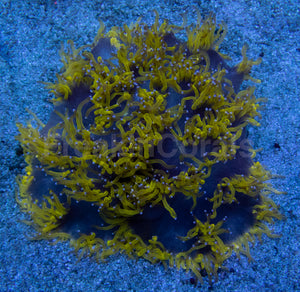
(146, 150)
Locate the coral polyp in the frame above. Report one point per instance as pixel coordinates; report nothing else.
(146, 151)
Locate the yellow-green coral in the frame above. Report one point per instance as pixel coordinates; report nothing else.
(146, 150)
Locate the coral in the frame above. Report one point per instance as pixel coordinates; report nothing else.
(146, 151)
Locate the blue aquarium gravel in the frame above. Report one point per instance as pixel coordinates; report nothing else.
(30, 38)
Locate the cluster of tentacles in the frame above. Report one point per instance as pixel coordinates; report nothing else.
(146, 151)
